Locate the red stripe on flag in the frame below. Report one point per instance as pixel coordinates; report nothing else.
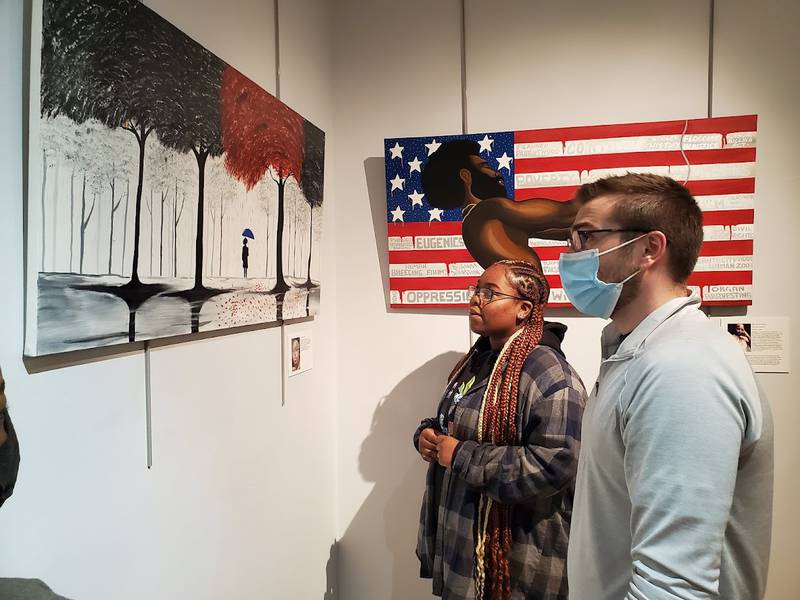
(710, 248)
(404, 257)
(728, 217)
(402, 284)
(437, 228)
(456, 307)
(698, 279)
(562, 193)
(430, 306)
(703, 187)
(633, 159)
(721, 125)
(727, 248)
(727, 302)
(713, 187)
(721, 278)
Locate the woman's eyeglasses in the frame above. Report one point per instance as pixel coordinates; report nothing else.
(486, 295)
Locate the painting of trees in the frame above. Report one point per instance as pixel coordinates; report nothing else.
(261, 136)
(227, 191)
(82, 80)
(160, 167)
(141, 130)
(312, 180)
(182, 174)
(58, 137)
(193, 123)
(112, 166)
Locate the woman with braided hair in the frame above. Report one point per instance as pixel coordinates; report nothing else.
(503, 451)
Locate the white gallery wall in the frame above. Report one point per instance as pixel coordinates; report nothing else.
(240, 502)
(756, 51)
(531, 64)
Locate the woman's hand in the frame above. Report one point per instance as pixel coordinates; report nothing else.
(427, 444)
(445, 447)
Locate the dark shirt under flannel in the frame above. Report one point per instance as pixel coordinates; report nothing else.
(537, 477)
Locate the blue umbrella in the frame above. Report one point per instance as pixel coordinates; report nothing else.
(248, 234)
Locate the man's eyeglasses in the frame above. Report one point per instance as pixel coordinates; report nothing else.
(580, 237)
(486, 295)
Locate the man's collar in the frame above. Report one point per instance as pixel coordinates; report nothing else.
(618, 347)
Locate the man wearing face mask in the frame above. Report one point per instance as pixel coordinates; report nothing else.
(674, 486)
(14, 589)
(494, 227)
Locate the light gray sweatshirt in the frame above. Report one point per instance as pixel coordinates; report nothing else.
(674, 487)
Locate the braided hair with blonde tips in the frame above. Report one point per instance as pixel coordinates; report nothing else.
(497, 423)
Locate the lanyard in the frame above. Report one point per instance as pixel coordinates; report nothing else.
(451, 400)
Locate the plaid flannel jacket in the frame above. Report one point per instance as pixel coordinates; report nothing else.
(537, 477)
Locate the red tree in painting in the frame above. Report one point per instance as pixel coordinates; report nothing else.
(260, 134)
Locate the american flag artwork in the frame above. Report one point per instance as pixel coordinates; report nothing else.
(430, 266)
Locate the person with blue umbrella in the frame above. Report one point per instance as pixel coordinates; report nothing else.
(247, 233)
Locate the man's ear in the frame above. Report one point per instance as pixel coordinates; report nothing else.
(466, 177)
(656, 248)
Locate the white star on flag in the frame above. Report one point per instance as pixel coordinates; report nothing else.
(416, 198)
(397, 214)
(504, 162)
(397, 150)
(486, 143)
(397, 183)
(415, 165)
(436, 214)
(433, 146)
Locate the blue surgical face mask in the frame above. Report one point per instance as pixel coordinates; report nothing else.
(584, 289)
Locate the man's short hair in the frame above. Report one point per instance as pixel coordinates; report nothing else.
(655, 203)
(441, 181)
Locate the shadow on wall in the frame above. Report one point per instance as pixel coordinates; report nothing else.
(375, 174)
(331, 585)
(376, 552)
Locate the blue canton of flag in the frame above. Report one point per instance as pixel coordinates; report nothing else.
(406, 157)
